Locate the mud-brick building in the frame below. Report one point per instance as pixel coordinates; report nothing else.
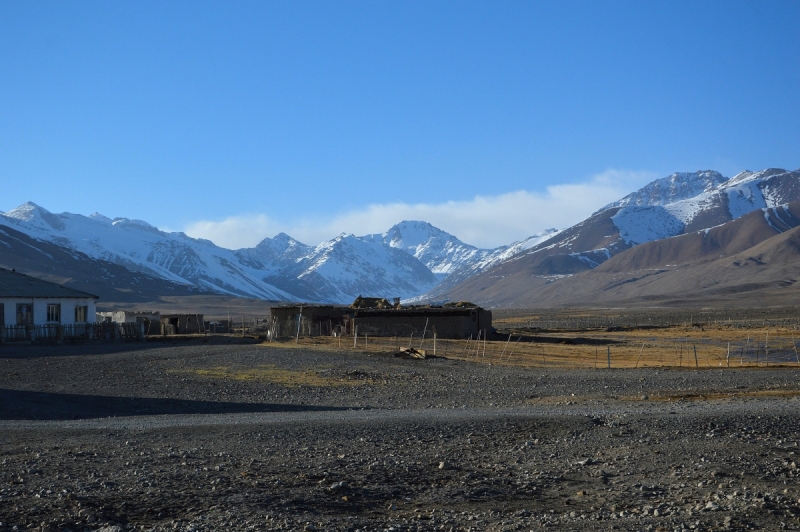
(447, 322)
(182, 324)
(322, 320)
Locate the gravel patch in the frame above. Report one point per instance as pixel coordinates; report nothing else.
(237, 437)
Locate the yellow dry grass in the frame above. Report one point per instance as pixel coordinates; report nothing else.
(679, 347)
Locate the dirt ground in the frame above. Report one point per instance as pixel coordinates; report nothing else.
(202, 435)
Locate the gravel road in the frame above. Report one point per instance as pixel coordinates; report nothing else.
(250, 437)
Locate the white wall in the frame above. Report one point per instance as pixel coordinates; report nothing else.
(40, 309)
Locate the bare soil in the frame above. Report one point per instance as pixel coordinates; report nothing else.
(203, 436)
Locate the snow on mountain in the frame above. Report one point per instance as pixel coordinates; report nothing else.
(675, 187)
(677, 204)
(507, 252)
(412, 257)
(139, 246)
(717, 204)
(278, 268)
(638, 225)
(281, 251)
(440, 251)
(345, 267)
(487, 259)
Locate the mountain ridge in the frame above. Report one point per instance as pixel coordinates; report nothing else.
(419, 262)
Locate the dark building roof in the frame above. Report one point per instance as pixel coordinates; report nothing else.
(14, 284)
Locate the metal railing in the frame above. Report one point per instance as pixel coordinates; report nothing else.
(74, 333)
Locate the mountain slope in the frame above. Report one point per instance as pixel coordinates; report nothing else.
(612, 231)
(109, 281)
(138, 246)
(280, 268)
(701, 268)
(440, 251)
(675, 187)
(347, 266)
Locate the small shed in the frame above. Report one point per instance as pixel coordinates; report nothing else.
(182, 324)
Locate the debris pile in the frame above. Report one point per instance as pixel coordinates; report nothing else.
(410, 352)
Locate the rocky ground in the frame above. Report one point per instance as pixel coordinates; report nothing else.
(250, 437)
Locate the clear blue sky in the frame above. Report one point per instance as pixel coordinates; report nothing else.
(176, 112)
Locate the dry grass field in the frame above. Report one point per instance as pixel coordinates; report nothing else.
(595, 339)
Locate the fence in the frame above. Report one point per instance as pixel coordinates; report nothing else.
(76, 333)
(303, 328)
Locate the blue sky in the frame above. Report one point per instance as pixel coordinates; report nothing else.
(493, 120)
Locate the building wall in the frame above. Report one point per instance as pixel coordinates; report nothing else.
(446, 323)
(456, 325)
(187, 323)
(153, 319)
(40, 309)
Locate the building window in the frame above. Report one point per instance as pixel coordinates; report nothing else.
(54, 313)
(81, 312)
(24, 314)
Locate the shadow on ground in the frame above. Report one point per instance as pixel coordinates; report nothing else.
(23, 404)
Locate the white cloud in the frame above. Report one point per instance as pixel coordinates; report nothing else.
(484, 221)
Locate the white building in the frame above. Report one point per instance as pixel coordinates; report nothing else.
(151, 320)
(28, 301)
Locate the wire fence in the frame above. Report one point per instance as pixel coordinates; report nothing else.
(598, 353)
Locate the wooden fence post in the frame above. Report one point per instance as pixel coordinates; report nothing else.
(640, 355)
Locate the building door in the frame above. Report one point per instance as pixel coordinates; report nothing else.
(174, 322)
(2, 315)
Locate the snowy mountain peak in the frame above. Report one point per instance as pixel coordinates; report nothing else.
(133, 223)
(283, 238)
(745, 176)
(100, 218)
(414, 233)
(674, 187)
(282, 251)
(27, 211)
(36, 216)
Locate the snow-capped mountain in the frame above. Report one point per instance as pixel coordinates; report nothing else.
(347, 266)
(650, 214)
(408, 260)
(281, 251)
(141, 247)
(440, 251)
(413, 260)
(675, 187)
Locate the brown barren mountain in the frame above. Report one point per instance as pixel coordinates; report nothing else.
(753, 260)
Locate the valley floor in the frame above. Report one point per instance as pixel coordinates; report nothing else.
(271, 437)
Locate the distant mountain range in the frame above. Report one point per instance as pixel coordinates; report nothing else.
(408, 260)
(663, 245)
(686, 227)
